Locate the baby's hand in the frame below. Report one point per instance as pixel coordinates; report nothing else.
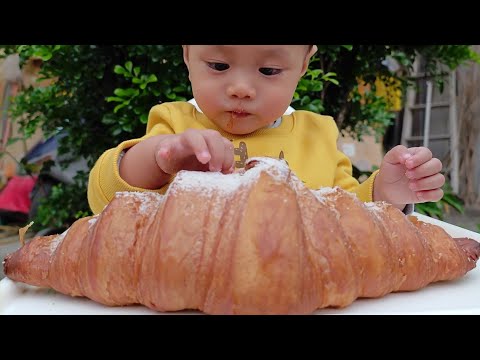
(409, 176)
(200, 150)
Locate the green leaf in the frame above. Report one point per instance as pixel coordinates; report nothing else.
(109, 119)
(119, 92)
(329, 74)
(152, 78)
(454, 202)
(430, 209)
(114, 98)
(315, 73)
(144, 118)
(305, 100)
(126, 92)
(136, 70)
(318, 86)
(128, 66)
(118, 107)
(127, 127)
(117, 132)
(119, 70)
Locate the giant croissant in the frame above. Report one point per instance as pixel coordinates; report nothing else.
(256, 242)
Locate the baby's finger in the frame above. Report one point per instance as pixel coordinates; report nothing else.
(429, 183)
(165, 155)
(194, 141)
(397, 155)
(430, 168)
(418, 157)
(228, 159)
(216, 148)
(429, 195)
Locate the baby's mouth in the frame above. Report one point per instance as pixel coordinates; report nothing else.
(239, 114)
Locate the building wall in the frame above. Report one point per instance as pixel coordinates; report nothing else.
(16, 150)
(468, 106)
(365, 154)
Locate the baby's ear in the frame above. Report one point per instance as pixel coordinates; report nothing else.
(185, 54)
(313, 49)
(186, 58)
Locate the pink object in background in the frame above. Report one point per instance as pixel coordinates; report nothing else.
(15, 196)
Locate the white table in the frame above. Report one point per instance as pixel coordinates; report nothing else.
(455, 297)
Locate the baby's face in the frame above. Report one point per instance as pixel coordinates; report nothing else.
(243, 88)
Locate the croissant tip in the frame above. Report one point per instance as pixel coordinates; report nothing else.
(470, 246)
(5, 264)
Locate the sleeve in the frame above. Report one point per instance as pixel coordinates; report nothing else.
(105, 181)
(343, 167)
(345, 180)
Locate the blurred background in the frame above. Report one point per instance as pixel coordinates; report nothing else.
(63, 105)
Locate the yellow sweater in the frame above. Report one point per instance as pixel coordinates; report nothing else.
(307, 141)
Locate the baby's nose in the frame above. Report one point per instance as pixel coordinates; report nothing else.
(241, 91)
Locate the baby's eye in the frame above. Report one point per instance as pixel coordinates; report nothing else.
(218, 66)
(270, 71)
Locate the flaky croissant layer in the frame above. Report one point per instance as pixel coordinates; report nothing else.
(254, 242)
